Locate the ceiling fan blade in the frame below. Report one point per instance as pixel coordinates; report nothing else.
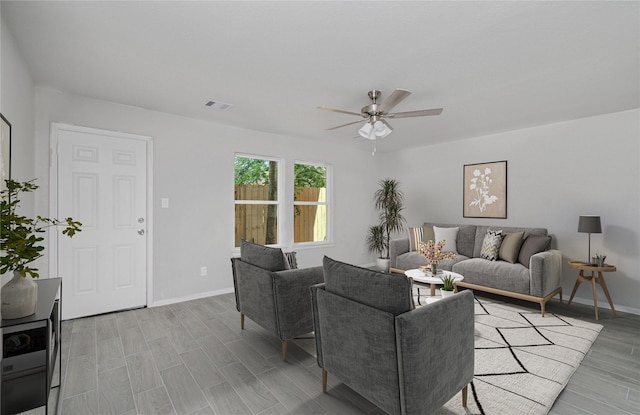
(394, 99)
(344, 125)
(323, 107)
(419, 113)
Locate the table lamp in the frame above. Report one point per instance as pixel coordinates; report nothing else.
(589, 224)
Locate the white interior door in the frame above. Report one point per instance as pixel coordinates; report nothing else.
(102, 182)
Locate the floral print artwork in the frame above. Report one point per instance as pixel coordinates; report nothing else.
(481, 183)
(485, 190)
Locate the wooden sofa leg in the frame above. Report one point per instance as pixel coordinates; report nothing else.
(241, 321)
(284, 350)
(464, 396)
(324, 380)
(542, 304)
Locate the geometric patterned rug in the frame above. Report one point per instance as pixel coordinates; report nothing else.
(522, 360)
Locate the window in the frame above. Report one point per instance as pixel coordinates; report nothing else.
(257, 205)
(310, 203)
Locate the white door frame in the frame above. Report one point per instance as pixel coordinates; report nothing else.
(53, 194)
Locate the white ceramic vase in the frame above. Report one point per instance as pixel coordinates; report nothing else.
(446, 293)
(383, 264)
(19, 297)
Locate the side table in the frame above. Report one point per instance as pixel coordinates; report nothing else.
(593, 279)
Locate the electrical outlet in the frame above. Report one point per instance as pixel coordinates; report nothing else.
(203, 271)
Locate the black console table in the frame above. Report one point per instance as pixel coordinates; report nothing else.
(30, 350)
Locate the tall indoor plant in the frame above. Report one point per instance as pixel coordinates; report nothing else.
(19, 242)
(389, 199)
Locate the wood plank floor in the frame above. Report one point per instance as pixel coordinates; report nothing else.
(192, 358)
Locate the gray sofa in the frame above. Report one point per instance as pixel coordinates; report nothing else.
(533, 278)
(406, 360)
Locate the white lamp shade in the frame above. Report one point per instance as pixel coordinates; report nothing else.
(366, 131)
(381, 130)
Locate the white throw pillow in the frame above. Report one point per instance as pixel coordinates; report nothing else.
(450, 235)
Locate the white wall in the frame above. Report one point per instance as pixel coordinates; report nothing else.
(17, 105)
(555, 173)
(193, 167)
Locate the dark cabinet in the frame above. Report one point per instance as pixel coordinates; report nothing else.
(30, 350)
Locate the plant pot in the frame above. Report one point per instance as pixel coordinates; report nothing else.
(19, 297)
(383, 264)
(445, 293)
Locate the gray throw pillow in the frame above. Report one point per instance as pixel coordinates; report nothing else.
(265, 257)
(531, 246)
(386, 292)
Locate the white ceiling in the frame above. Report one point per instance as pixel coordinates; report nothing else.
(493, 66)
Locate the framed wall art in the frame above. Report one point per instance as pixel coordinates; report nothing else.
(485, 190)
(5, 151)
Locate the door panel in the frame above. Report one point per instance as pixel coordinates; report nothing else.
(102, 182)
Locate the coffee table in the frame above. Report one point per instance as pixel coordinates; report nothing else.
(427, 278)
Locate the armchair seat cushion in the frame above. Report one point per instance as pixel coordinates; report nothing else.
(386, 292)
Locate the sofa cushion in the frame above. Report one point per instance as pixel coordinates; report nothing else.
(415, 237)
(387, 292)
(265, 257)
(412, 260)
(427, 234)
(481, 230)
(495, 274)
(466, 237)
(510, 247)
(531, 246)
(491, 245)
(449, 235)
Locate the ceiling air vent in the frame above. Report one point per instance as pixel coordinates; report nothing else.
(223, 106)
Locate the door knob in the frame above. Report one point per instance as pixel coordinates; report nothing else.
(140, 231)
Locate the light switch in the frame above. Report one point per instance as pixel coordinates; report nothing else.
(164, 202)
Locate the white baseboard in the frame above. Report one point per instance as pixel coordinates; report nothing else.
(190, 297)
(605, 305)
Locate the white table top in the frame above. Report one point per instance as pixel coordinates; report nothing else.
(419, 276)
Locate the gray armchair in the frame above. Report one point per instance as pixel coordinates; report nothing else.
(274, 297)
(406, 360)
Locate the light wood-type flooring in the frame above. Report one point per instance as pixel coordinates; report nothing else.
(192, 358)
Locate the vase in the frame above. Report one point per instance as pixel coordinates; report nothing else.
(19, 297)
(434, 269)
(445, 293)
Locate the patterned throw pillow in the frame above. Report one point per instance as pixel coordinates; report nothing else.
(415, 237)
(491, 245)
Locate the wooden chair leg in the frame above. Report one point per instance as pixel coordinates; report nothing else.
(284, 350)
(241, 321)
(464, 396)
(324, 381)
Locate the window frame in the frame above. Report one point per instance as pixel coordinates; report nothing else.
(327, 203)
(280, 202)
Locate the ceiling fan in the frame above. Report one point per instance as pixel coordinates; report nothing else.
(375, 113)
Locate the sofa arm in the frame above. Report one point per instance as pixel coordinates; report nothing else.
(435, 352)
(546, 272)
(293, 300)
(397, 247)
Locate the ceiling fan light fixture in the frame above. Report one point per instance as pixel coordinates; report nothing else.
(381, 129)
(366, 131)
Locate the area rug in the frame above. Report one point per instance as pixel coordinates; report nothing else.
(523, 360)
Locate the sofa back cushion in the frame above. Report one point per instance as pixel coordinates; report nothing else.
(481, 231)
(466, 237)
(265, 257)
(387, 292)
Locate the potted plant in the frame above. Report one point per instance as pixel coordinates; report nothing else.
(376, 243)
(19, 242)
(389, 199)
(448, 282)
